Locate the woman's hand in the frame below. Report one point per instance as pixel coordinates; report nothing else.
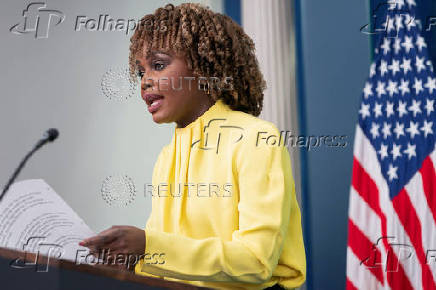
(125, 240)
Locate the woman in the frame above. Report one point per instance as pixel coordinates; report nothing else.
(224, 211)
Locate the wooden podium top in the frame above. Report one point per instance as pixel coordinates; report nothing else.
(117, 273)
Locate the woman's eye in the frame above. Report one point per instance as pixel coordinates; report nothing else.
(159, 66)
(140, 74)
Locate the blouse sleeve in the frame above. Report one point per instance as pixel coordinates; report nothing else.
(264, 214)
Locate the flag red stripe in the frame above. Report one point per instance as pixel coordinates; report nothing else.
(364, 250)
(366, 187)
(408, 217)
(368, 190)
(350, 286)
(428, 174)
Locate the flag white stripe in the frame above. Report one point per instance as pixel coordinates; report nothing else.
(364, 217)
(415, 191)
(368, 222)
(433, 158)
(359, 275)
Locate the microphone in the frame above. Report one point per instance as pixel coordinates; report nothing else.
(49, 136)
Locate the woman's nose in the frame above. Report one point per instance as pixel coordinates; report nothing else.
(147, 83)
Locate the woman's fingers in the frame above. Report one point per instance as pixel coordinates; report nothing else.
(95, 241)
(111, 249)
(117, 239)
(100, 240)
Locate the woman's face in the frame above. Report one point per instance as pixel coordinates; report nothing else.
(169, 89)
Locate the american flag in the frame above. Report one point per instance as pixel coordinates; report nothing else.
(392, 203)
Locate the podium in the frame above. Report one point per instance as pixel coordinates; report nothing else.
(20, 270)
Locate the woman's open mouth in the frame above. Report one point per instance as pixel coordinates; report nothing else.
(154, 102)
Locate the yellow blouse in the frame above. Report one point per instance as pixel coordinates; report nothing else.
(224, 210)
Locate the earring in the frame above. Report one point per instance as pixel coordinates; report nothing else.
(204, 88)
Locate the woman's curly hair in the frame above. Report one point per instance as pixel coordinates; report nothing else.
(214, 46)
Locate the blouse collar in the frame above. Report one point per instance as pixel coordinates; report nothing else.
(213, 111)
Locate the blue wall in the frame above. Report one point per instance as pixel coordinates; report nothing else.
(233, 9)
(333, 61)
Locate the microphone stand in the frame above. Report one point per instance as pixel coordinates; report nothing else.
(51, 135)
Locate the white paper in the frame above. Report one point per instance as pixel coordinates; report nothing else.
(35, 219)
